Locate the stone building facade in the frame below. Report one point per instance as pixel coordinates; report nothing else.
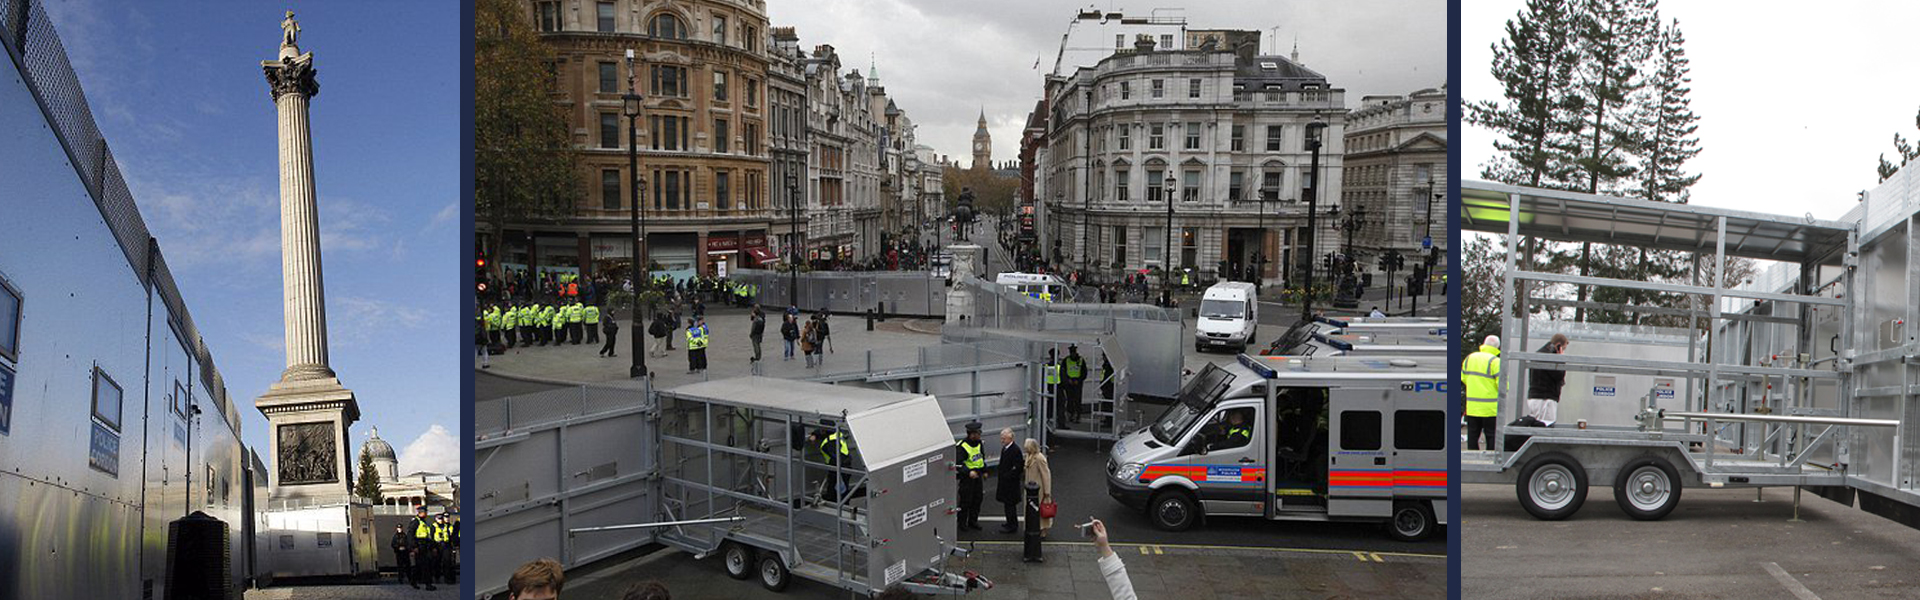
(1396, 167)
(1228, 127)
(792, 143)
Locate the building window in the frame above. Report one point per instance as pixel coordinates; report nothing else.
(610, 189)
(1189, 247)
(1193, 136)
(753, 93)
(1126, 90)
(1120, 245)
(548, 15)
(1166, 41)
(722, 191)
(1235, 181)
(669, 81)
(671, 189)
(1159, 88)
(604, 12)
(1154, 181)
(750, 39)
(609, 82)
(1270, 185)
(1157, 136)
(1153, 244)
(1190, 186)
(668, 132)
(719, 29)
(752, 198)
(1273, 138)
(609, 130)
(1193, 88)
(1120, 185)
(1119, 40)
(1126, 137)
(752, 142)
(719, 86)
(721, 135)
(1239, 138)
(666, 26)
(106, 399)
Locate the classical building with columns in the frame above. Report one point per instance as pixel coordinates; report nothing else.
(1396, 167)
(1218, 132)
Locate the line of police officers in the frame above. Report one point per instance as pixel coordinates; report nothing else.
(538, 324)
(427, 549)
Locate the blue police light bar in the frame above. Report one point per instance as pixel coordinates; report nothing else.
(1258, 367)
(1333, 322)
(1337, 344)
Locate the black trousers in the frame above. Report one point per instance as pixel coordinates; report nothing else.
(972, 493)
(607, 350)
(696, 359)
(405, 569)
(1476, 425)
(423, 563)
(1013, 513)
(593, 333)
(1073, 389)
(448, 565)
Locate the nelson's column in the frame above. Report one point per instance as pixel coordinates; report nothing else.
(308, 410)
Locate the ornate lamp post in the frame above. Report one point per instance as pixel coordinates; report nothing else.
(793, 240)
(1166, 262)
(631, 106)
(1314, 131)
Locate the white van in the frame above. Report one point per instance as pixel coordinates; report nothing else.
(1229, 317)
(1039, 286)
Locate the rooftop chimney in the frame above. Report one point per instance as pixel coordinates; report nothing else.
(1143, 43)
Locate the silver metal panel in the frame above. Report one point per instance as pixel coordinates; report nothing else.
(1577, 217)
(900, 431)
(787, 395)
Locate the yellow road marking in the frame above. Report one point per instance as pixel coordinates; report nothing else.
(1360, 555)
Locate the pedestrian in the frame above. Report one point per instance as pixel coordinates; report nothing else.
(673, 324)
(443, 549)
(790, 332)
(970, 456)
(1106, 377)
(757, 330)
(696, 345)
(810, 343)
(1073, 372)
(423, 548)
(1050, 377)
(1111, 569)
(1011, 488)
(592, 322)
(402, 545)
(1038, 472)
(538, 580)
(650, 589)
(1481, 375)
(826, 334)
(612, 328)
(658, 329)
(480, 346)
(1543, 387)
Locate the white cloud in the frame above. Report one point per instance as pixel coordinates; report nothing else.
(435, 451)
(358, 320)
(445, 216)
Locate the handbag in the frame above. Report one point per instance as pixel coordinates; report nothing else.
(1048, 509)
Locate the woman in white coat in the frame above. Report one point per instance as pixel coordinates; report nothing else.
(1039, 472)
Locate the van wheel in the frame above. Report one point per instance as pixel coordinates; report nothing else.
(773, 573)
(1173, 510)
(1647, 488)
(1411, 522)
(739, 560)
(1552, 486)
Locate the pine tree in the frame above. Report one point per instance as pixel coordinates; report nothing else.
(1534, 65)
(1614, 41)
(1667, 122)
(367, 485)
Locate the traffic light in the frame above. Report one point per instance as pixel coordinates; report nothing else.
(480, 274)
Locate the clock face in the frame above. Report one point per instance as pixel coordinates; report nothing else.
(979, 146)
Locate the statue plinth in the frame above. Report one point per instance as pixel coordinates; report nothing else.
(965, 265)
(310, 454)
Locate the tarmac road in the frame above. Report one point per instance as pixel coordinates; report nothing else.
(1716, 544)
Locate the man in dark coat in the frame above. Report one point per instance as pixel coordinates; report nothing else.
(402, 544)
(1543, 389)
(424, 557)
(1013, 480)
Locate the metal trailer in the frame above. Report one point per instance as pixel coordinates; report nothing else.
(114, 420)
(736, 457)
(1806, 379)
(1330, 439)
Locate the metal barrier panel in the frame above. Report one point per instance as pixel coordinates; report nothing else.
(558, 460)
(1886, 378)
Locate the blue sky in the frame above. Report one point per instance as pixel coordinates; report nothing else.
(178, 92)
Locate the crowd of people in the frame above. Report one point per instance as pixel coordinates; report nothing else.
(427, 549)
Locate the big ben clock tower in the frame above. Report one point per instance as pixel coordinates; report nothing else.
(982, 145)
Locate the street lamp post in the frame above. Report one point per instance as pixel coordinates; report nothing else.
(793, 240)
(1166, 261)
(631, 106)
(1314, 131)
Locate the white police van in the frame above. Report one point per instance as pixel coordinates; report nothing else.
(1046, 288)
(1297, 439)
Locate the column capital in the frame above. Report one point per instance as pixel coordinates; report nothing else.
(291, 75)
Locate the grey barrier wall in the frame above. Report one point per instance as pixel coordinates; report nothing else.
(907, 293)
(1153, 337)
(553, 461)
(1886, 349)
(990, 382)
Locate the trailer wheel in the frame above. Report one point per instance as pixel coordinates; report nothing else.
(773, 573)
(1552, 486)
(1173, 510)
(739, 560)
(1411, 522)
(1648, 488)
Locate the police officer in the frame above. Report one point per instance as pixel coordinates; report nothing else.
(443, 548)
(971, 456)
(1480, 373)
(1050, 374)
(1238, 433)
(424, 555)
(402, 545)
(1073, 371)
(696, 345)
(833, 446)
(575, 314)
(592, 321)
(509, 320)
(558, 324)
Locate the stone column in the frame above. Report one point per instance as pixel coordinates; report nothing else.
(292, 81)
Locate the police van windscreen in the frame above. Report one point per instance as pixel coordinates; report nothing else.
(1223, 309)
(1195, 398)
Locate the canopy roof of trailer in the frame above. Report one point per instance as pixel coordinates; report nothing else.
(1577, 217)
(888, 427)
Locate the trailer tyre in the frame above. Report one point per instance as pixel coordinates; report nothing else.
(1647, 488)
(773, 573)
(739, 560)
(1552, 486)
(1411, 522)
(1173, 510)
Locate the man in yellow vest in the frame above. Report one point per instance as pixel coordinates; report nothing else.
(1480, 373)
(970, 456)
(592, 321)
(575, 314)
(833, 446)
(443, 542)
(557, 324)
(425, 559)
(1050, 375)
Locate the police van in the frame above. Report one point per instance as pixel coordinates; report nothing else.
(1316, 338)
(1046, 288)
(1295, 439)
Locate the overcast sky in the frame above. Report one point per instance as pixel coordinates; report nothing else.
(1795, 103)
(942, 61)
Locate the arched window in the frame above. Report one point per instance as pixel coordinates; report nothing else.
(665, 25)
